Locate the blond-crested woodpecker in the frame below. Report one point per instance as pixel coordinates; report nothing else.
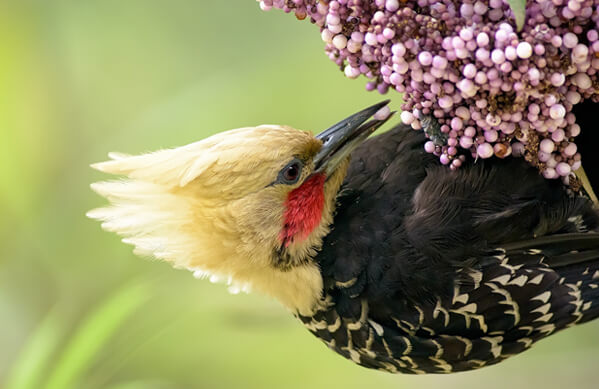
(394, 261)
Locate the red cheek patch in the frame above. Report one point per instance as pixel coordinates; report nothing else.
(303, 210)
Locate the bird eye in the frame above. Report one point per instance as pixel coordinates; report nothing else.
(291, 173)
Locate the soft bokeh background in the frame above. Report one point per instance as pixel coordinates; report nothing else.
(77, 309)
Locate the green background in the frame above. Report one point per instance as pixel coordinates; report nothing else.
(77, 308)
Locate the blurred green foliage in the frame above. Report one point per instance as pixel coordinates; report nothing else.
(77, 309)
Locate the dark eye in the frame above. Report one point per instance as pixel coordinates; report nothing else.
(291, 173)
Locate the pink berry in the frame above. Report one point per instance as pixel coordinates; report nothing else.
(425, 58)
(582, 80)
(484, 150)
(563, 169)
(493, 120)
(570, 150)
(340, 41)
(549, 173)
(524, 50)
(497, 56)
(547, 146)
(558, 135)
(466, 142)
(392, 5)
(398, 49)
(558, 79)
(406, 117)
(469, 70)
(470, 132)
(570, 40)
(382, 113)
(482, 39)
(557, 111)
(580, 53)
(445, 102)
(429, 147)
(351, 72)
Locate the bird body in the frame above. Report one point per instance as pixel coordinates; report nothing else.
(435, 271)
(393, 260)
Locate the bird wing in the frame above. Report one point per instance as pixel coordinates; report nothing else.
(526, 260)
(519, 294)
(516, 295)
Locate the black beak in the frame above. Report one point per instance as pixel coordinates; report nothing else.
(339, 140)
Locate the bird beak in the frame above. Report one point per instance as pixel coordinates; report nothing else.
(339, 140)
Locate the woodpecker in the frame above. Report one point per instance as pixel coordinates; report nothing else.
(391, 259)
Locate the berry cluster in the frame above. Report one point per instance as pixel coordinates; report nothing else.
(470, 80)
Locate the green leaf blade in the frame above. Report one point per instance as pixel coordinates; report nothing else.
(35, 357)
(518, 7)
(93, 333)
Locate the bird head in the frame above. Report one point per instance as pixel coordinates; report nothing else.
(250, 205)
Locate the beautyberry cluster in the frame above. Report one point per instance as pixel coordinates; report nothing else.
(470, 79)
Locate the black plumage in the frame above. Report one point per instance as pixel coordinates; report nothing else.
(428, 270)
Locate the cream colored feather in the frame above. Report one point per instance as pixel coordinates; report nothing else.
(208, 207)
